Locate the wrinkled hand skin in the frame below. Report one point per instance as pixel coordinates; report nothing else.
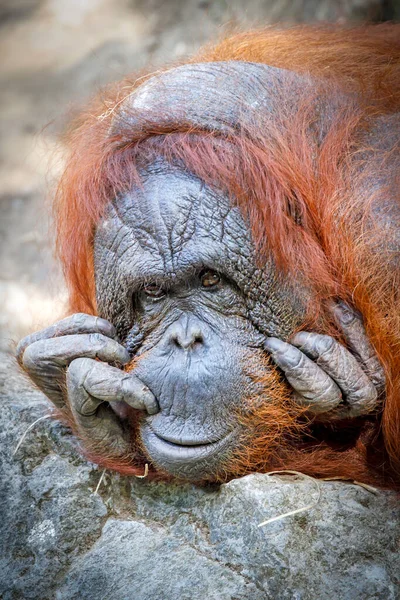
(177, 277)
(333, 382)
(63, 361)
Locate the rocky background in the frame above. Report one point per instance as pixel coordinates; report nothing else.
(68, 530)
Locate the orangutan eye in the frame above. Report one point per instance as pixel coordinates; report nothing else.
(209, 278)
(154, 291)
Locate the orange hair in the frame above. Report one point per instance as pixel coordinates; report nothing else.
(272, 171)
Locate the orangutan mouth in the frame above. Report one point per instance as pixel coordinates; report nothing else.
(166, 452)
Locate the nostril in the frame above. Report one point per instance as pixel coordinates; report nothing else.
(185, 334)
(187, 342)
(198, 340)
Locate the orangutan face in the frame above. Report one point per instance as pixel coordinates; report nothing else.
(175, 273)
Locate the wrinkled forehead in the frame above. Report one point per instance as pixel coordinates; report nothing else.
(173, 221)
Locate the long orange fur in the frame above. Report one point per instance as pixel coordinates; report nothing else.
(263, 170)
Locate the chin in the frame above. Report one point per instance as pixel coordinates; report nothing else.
(200, 462)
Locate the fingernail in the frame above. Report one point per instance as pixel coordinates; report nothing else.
(299, 338)
(106, 326)
(125, 357)
(150, 401)
(344, 313)
(272, 344)
(153, 409)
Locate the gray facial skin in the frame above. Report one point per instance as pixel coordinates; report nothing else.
(198, 355)
(199, 347)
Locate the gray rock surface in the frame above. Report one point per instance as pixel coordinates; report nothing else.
(137, 540)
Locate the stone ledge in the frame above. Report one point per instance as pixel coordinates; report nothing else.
(136, 540)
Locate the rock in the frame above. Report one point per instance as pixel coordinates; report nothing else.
(137, 540)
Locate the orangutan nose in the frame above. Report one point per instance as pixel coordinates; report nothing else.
(186, 334)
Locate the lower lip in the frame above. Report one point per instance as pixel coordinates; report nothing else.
(160, 448)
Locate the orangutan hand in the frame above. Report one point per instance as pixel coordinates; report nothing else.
(64, 362)
(332, 381)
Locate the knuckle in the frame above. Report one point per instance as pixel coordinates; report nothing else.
(97, 339)
(379, 381)
(375, 371)
(290, 359)
(371, 393)
(325, 344)
(34, 340)
(86, 406)
(79, 318)
(364, 400)
(76, 371)
(21, 348)
(32, 356)
(71, 377)
(130, 387)
(79, 364)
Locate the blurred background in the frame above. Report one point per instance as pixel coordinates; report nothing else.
(57, 53)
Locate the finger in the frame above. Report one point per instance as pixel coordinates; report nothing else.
(314, 387)
(75, 324)
(358, 390)
(94, 420)
(46, 359)
(61, 351)
(109, 384)
(351, 324)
